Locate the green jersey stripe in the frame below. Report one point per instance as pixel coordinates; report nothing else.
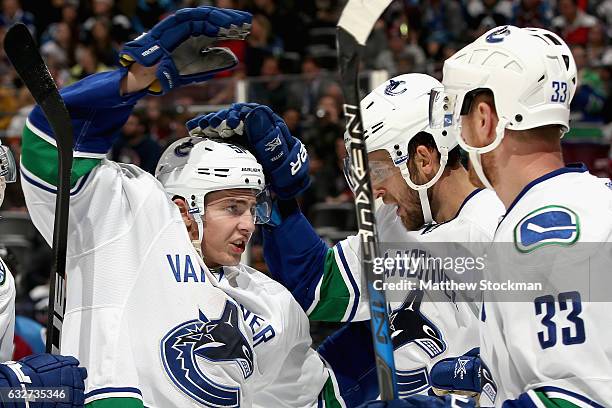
(554, 402)
(328, 393)
(40, 158)
(116, 403)
(334, 295)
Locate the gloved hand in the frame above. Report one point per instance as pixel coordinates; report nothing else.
(181, 45)
(423, 401)
(283, 157)
(458, 374)
(45, 370)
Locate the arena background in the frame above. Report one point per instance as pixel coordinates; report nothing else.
(289, 63)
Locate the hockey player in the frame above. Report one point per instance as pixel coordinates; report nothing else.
(143, 313)
(8, 174)
(220, 191)
(509, 92)
(327, 282)
(39, 370)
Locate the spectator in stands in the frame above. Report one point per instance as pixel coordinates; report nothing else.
(486, 14)
(327, 127)
(159, 124)
(135, 146)
(150, 12)
(272, 90)
(12, 13)
(443, 22)
(285, 22)
(87, 64)
(293, 120)
(572, 23)
(597, 44)
(102, 43)
(60, 47)
(531, 13)
(402, 55)
(121, 27)
(588, 102)
(261, 43)
(377, 42)
(314, 83)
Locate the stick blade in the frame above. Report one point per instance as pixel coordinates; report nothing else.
(23, 54)
(359, 17)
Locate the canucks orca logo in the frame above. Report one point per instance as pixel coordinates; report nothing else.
(187, 348)
(550, 225)
(409, 325)
(498, 35)
(391, 88)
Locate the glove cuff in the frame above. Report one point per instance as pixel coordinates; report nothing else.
(286, 185)
(10, 372)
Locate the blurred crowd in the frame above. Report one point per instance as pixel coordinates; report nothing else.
(289, 63)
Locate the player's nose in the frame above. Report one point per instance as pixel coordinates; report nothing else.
(246, 224)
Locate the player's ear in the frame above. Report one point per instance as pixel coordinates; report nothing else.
(183, 208)
(425, 160)
(484, 120)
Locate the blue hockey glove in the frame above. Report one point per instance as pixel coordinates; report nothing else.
(44, 371)
(283, 157)
(181, 45)
(423, 401)
(458, 373)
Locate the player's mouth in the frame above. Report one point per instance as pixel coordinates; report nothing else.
(238, 246)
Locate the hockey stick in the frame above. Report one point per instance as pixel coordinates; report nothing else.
(356, 23)
(23, 53)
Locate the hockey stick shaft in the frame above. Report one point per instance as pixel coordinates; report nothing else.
(355, 24)
(23, 54)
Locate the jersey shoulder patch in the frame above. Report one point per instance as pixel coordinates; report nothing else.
(549, 225)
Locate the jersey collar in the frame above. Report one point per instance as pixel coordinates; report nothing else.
(570, 168)
(432, 225)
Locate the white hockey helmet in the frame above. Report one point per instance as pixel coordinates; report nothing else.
(8, 169)
(530, 71)
(392, 114)
(192, 167)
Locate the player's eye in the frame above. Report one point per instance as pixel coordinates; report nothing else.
(232, 209)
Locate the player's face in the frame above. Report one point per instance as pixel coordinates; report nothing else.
(394, 191)
(228, 225)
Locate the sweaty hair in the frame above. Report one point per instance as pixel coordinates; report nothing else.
(427, 140)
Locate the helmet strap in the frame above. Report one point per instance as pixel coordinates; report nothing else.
(197, 243)
(475, 159)
(422, 188)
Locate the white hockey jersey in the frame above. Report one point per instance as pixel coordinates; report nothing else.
(554, 344)
(7, 312)
(422, 335)
(142, 314)
(289, 372)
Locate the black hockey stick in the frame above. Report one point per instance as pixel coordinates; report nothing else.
(356, 23)
(23, 53)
